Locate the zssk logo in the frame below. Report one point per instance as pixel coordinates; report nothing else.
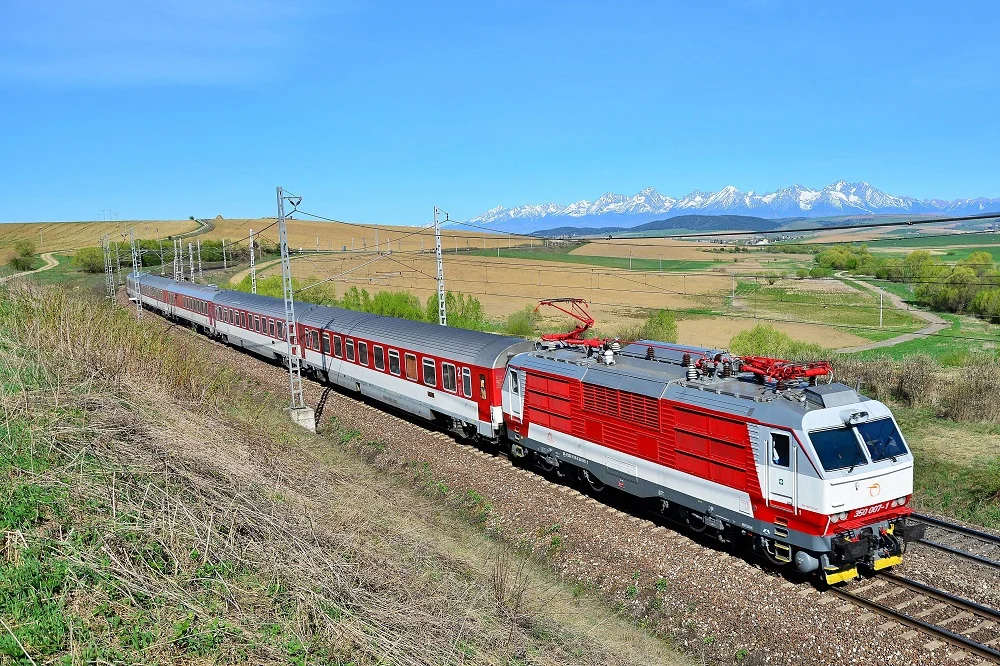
(874, 489)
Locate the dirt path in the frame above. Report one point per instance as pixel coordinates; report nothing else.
(50, 262)
(935, 323)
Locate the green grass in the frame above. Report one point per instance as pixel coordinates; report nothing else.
(7, 269)
(953, 346)
(855, 309)
(940, 241)
(650, 265)
(968, 489)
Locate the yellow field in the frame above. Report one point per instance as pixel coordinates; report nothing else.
(61, 236)
(618, 298)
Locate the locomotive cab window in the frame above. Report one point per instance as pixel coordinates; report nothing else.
(350, 349)
(882, 439)
(838, 448)
(338, 347)
(780, 447)
(362, 353)
(467, 382)
(411, 367)
(430, 374)
(394, 362)
(448, 377)
(379, 355)
(326, 343)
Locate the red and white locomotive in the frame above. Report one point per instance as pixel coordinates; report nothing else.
(812, 475)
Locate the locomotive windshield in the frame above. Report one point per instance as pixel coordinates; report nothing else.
(883, 439)
(838, 448)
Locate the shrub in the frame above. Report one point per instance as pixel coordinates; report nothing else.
(24, 248)
(21, 263)
(766, 340)
(660, 326)
(521, 323)
(89, 260)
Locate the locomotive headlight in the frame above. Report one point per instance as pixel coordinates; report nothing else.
(842, 515)
(835, 518)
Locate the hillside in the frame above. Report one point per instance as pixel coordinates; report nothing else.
(161, 509)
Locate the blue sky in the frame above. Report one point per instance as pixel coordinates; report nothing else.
(377, 111)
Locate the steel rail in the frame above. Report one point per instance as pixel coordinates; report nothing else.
(958, 529)
(946, 635)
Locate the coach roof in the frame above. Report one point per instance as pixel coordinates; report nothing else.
(458, 344)
(206, 292)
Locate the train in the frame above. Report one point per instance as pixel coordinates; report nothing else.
(762, 453)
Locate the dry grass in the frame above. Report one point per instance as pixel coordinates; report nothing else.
(336, 236)
(215, 526)
(619, 298)
(62, 236)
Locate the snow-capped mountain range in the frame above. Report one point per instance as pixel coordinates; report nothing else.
(840, 198)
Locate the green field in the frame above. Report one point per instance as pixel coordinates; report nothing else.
(918, 242)
(591, 260)
(855, 310)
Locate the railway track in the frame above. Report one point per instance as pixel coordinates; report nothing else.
(959, 540)
(939, 614)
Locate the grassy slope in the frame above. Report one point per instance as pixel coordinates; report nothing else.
(161, 509)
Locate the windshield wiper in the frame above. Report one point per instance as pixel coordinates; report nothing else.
(858, 458)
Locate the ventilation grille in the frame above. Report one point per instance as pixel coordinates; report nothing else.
(637, 409)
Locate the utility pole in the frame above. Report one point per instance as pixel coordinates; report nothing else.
(630, 259)
(442, 313)
(136, 264)
(118, 266)
(159, 242)
(109, 271)
(191, 260)
(732, 299)
(224, 264)
(661, 263)
(253, 266)
(302, 415)
(201, 273)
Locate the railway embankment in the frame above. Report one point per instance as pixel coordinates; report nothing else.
(161, 509)
(721, 605)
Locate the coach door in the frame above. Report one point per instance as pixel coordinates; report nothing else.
(781, 470)
(515, 393)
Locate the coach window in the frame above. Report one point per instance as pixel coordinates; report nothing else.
(281, 330)
(467, 382)
(350, 349)
(362, 353)
(243, 321)
(256, 323)
(394, 362)
(270, 327)
(411, 367)
(379, 355)
(326, 344)
(779, 449)
(314, 339)
(482, 386)
(449, 380)
(430, 372)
